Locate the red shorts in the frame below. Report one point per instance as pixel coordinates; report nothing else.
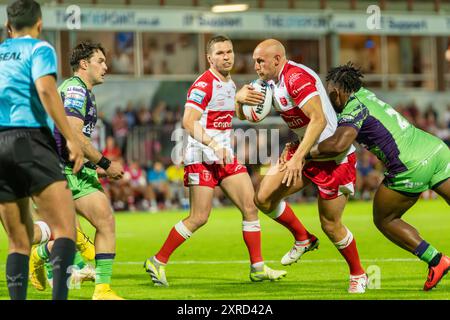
(210, 175)
(331, 178)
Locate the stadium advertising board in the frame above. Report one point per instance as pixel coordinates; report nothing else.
(122, 19)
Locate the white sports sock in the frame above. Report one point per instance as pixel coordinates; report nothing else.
(303, 243)
(278, 210)
(344, 243)
(157, 261)
(45, 231)
(259, 266)
(251, 226)
(182, 230)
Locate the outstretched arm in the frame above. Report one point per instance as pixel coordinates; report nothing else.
(339, 142)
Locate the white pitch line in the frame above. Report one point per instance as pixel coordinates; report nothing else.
(273, 261)
(268, 261)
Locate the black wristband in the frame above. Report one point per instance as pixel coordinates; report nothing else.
(104, 163)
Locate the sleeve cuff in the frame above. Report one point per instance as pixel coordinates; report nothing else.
(196, 107)
(306, 99)
(348, 124)
(49, 73)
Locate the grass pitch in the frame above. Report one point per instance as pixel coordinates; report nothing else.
(214, 265)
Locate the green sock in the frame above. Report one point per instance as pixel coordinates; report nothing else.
(42, 252)
(78, 260)
(103, 271)
(48, 270)
(429, 254)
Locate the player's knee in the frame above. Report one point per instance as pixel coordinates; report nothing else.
(105, 222)
(19, 243)
(379, 221)
(250, 211)
(330, 227)
(262, 203)
(199, 221)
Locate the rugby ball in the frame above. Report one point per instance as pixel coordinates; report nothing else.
(260, 111)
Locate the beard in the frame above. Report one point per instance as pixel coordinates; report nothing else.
(334, 102)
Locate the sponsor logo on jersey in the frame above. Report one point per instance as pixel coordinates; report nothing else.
(92, 112)
(206, 175)
(201, 84)
(219, 120)
(78, 89)
(74, 97)
(293, 78)
(329, 192)
(10, 56)
(88, 129)
(194, 178)
(347, 118)
(197, 96)
(284, 101)
(298, 90)
(294, 122)
(72, 103)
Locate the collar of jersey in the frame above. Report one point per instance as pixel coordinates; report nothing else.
(352, 97)
(217, 78)
(81, 80)
(282, 69)
(25, 37)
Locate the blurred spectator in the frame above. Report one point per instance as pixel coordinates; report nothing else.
(184, 51)
(159, 113)
(175, 175)
(112, 151)
(116, 191)
(442, 132)
(122, 63)
(120, 127)
(159, 182)
(143, 116)
(137, 188)
(413, 111)
(101, 120)
(123, 59)
(154, 59)
(406, 113)
(430, 114)
(447, 116)
(368, 177)
(130, 114)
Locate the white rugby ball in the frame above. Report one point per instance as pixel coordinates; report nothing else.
(260, 111)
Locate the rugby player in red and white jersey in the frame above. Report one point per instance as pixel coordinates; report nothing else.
(301, 100)
(209, 162)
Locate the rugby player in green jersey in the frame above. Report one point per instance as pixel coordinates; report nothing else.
(415, 161)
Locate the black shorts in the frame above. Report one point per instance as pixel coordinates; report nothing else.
(28, 162)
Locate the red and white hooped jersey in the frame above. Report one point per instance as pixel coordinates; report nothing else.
(296, 85)
(215, 99)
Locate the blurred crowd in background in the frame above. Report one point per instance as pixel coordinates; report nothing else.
(152, 182)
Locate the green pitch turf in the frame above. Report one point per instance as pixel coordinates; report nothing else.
(213, 264)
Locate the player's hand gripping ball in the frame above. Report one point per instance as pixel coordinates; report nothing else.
(260, 111)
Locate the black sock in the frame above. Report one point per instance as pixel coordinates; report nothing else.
(17, 275)
(61, 259)
(435, 261)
